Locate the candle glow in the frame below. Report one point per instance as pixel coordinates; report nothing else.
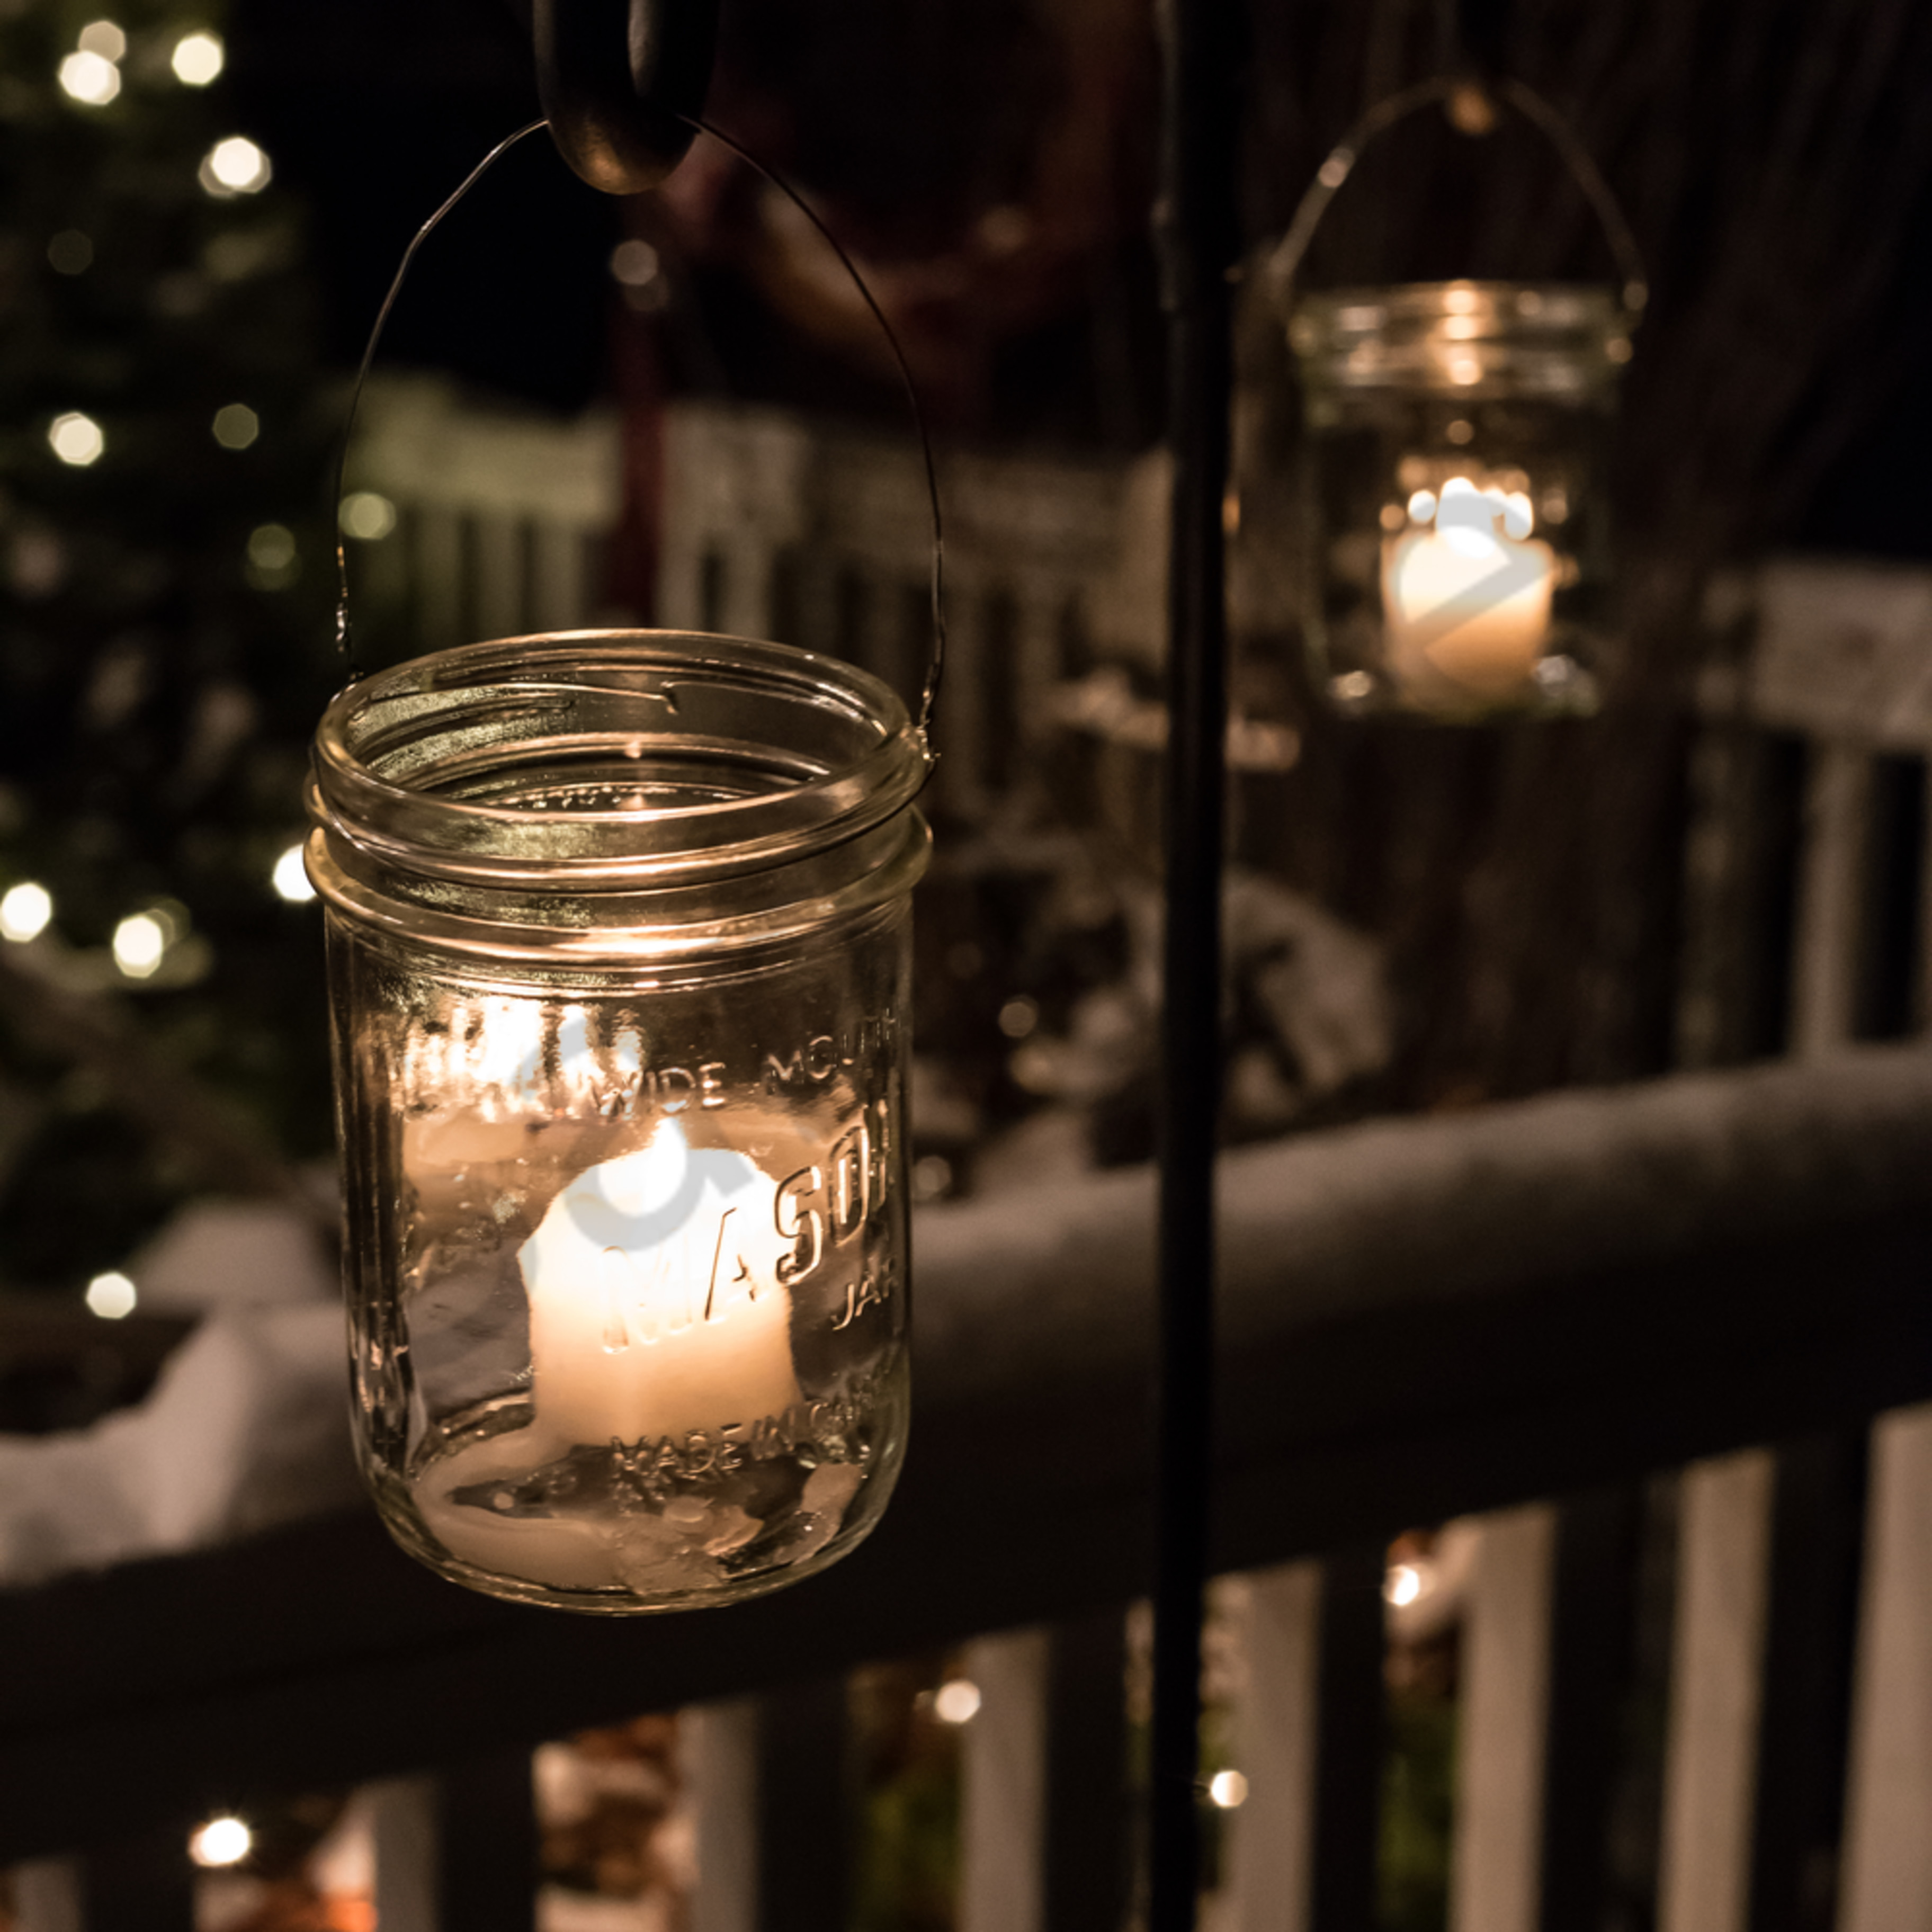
(660, 1250)
(657, 1303)
(1466, 603)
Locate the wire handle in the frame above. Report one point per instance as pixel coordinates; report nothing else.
(344, 640)
(929, 691)
(1285, 261)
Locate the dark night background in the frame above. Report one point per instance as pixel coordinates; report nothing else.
(373, 112)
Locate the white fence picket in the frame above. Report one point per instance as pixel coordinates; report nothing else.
(1269, 1854)
(47, 1897)
(560, 592)
(1502, 1733)
(1003, 1786)
(1716, 1696)
(1824, 964)
(403, 1814)
(1888, 1862)
(437, 561)
(502, 588)
(721, 1742)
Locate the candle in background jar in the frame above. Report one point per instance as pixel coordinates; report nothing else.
(1454, 473)
(1466, 592)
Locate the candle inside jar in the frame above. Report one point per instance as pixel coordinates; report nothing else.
(1466, 604)
(619, 1288)
(656, 1303)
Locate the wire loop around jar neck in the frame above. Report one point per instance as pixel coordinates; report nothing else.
(935, 667)
(1284, 262)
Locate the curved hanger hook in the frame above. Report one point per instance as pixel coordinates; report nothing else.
(622, 81)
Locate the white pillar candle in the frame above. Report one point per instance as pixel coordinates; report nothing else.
(1466, 606)
(657, 1306)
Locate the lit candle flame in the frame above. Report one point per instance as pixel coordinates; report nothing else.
(657, 1306)
(1466, 603)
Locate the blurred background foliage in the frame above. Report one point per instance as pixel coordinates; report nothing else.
(163, 628)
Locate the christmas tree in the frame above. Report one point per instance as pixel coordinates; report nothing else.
(165, 641)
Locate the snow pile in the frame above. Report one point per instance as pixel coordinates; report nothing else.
(246, 1427)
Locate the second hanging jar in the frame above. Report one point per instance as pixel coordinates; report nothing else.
(1453, 498)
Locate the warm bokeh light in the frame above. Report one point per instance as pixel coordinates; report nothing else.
(221, 1841)
(24, 911)
(1408, 1583)
(956, 1702)
(931, 1177)
(90, 79)
(1227, 1790)
(111, 1296)
(290, 877)
(272, 547)
(104, 37)
(236, 426)
(199, 58)
(70, 252)
(366, 515)
(76, 439)
(1019, 1016)
(634, 263)
(140, 941)
(235, 166)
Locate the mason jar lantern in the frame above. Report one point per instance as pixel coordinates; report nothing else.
(1453, 462)
(618, 931)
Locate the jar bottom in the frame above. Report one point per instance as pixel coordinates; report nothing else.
(496, 1502)
(1556, 686)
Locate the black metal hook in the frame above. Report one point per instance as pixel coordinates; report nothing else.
(622, 81)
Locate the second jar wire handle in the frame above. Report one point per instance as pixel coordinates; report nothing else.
(929, 691)
(1284, 262)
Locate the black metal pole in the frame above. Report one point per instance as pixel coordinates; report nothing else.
(1198, 231)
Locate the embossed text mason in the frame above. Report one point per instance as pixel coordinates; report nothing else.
(619, 929)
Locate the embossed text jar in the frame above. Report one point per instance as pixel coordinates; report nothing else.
(1454, 454)
(618, 928)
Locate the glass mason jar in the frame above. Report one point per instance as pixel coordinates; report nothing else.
(619, 931)
(1454, 450)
